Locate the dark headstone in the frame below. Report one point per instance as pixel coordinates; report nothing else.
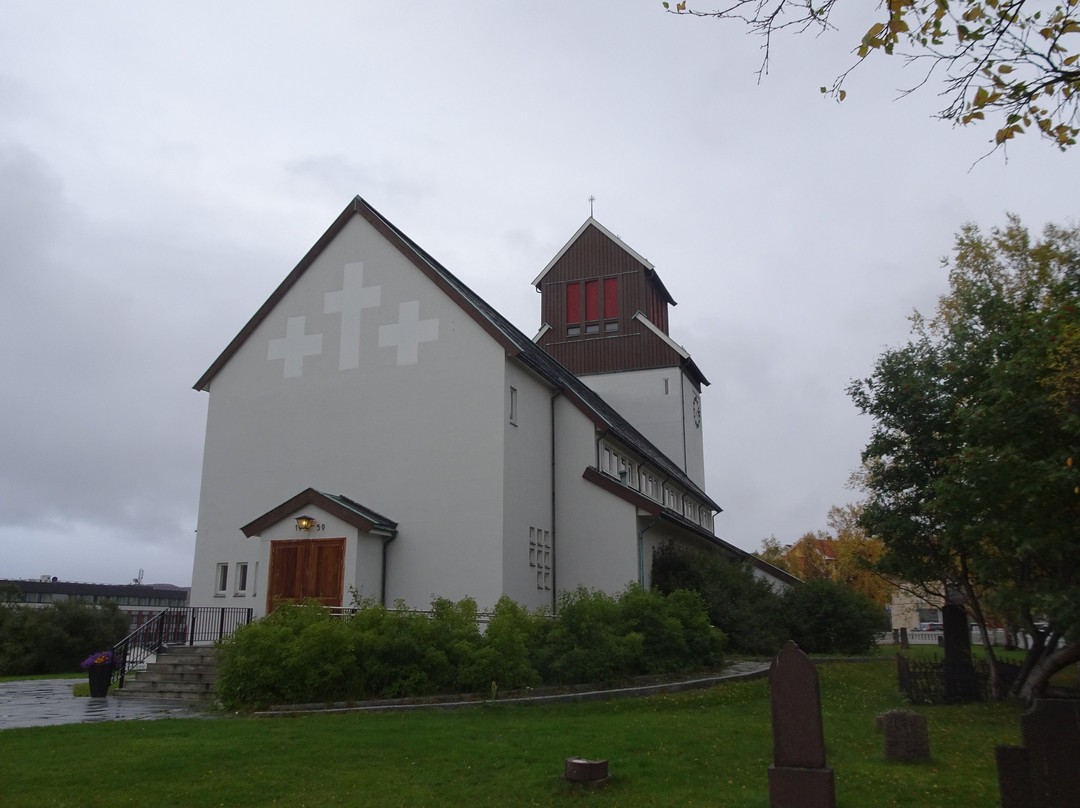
(961, 682)
(1045, 771)
(799, 777)
(1014, 777)
(957, 636)
(1051, 734)
(906, 736)
(903, 639)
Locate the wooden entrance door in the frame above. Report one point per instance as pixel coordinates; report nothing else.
(306, 569)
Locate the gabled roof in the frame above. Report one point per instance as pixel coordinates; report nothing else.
(514, 342)
(352, 513)
(650, 270)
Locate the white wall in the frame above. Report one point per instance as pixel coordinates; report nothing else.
(659, 403)
(526, 483)
(596, 534)
(409, 436)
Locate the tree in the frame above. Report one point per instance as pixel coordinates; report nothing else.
(970, 466)
(775, 553)
(1012, 59)
(844, 554)
(739, 603)
(856, 555)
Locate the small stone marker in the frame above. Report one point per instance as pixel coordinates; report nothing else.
(798, 777)
(590, 772)
(904, 638)
(906, 736)
(1045, 771)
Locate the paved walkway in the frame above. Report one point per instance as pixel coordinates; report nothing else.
(735, 672)
(48, 702)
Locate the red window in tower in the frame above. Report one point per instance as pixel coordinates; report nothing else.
(611, 298)
(592, 300)
(573, 303)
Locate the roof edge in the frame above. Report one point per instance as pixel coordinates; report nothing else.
(591, 221)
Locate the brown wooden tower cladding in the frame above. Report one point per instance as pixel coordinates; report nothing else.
(590, 294)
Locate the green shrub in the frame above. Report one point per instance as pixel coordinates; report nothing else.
(743, 606)
(825, 617)
(511, 641)
(58, 637)
(303, 654)
(271, 661)
(585, 643)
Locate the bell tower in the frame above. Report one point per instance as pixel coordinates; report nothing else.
(604, 313)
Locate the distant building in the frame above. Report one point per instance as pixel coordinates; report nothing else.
(140, 601)
(812, 557)
(379, 430)
(910, 611)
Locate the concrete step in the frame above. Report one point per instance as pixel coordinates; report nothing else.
(156, 688)
(180, 672)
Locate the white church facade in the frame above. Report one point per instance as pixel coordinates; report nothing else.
(377, 430)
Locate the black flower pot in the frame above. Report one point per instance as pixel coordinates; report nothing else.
(100, 678)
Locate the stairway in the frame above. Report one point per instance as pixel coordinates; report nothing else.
(181, 672)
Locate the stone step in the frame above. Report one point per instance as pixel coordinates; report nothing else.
(159, 676)
(179, 672)
(157, 688)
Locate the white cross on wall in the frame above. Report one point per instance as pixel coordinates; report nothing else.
(407, 334)
(294, 346)
(350, 302)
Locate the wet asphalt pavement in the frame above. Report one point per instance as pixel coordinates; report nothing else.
(49, 702)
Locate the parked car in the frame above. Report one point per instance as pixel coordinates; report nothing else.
(931, 627)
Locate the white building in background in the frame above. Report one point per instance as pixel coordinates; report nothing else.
(435, 450)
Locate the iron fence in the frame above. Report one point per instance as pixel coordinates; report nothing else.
(186, 625)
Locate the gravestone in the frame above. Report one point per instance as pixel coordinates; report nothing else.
(1045, 771)
(904, 639)
(906, 736)
(798, 777)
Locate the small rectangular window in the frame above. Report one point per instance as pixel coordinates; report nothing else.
(222, 579)
(513, 405)
(241, 578)
(540, 556)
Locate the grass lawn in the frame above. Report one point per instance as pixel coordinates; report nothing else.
(74, 675)
(704, 748)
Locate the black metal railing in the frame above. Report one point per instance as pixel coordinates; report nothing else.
(186, 625)
(924, 682)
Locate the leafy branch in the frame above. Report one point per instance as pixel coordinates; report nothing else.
(1013, 60)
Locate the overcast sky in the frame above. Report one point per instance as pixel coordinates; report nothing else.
(164, 166)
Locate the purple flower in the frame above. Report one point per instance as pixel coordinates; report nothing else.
(100, 658)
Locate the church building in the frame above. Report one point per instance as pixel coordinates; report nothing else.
(379, 432)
